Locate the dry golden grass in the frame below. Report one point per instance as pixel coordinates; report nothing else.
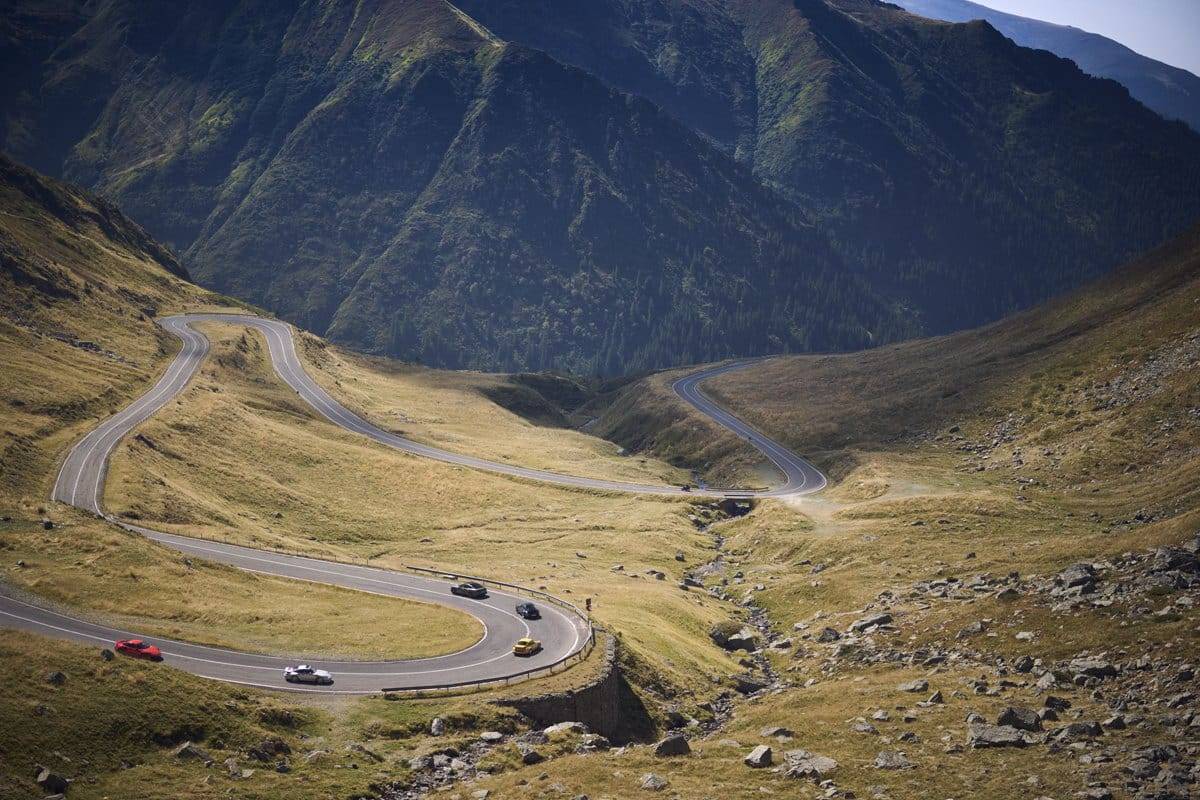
(123, 580)
(112, 725)
(452, 410)
(53, 389)
(238, 457)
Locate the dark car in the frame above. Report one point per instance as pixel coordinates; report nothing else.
(528, 611)
(470, 589)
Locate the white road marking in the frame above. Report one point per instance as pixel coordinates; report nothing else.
(89, 458)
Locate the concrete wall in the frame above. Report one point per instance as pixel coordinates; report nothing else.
(597, 703)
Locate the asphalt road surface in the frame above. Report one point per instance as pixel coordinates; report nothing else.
(563, 632)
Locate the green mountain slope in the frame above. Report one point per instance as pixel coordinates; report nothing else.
(390, 174)
(415, 181)
(1172, 92)
(967, 176)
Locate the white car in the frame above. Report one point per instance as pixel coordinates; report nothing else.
(306, 674)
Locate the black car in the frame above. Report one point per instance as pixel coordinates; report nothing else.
(528, 611)
(470, 589)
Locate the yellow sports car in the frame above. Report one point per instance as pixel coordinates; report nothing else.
(526, 647)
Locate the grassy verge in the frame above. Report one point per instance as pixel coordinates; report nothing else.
(453, 410)
(239, 458)
(113, 725)
(121, 579)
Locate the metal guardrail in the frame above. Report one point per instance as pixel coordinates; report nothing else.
(545, 670)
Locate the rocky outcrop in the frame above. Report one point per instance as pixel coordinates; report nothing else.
(597, 703)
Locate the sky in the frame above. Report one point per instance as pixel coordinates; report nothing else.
(1165, 30)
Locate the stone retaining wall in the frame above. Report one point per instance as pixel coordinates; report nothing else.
(597, 703)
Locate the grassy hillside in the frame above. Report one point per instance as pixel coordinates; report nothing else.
(972, 472)
(81, 286)
(1078, 386)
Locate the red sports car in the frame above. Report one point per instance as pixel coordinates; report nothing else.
(139, 649)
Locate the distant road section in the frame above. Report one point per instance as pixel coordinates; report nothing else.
(82, 476)
(564, 631)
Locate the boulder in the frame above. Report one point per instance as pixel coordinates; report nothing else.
(653, 783)
(746, 639)
(1093, 667)
(918, 685)
(566, 727)
(803, 764)
(188, 750)
(873, 621)
(675, 744)
(892, 759)
(491, 737)
(773, 731)
(1169, 559)
(1076, 575)
(437, 727)
(981, 735)
(828, 635)
(1023, 719)
(759, 757)
(1077, 731)
(51, 782)
(529, 754)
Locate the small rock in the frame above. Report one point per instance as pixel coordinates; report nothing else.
(437, 727)
(759, 757)
(803, 764)
(828, 635)
(491, 737)
(653, 783)
(918, 685)
(529, 755)
(56, 678)
(674, 745)
(566, 727)
(107, 655)
(981, 735)
(189, 750)
(1023, 719)
(51, 782)
(873, 621)
(892, 759)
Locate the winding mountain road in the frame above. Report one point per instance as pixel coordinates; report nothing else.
(563, 630)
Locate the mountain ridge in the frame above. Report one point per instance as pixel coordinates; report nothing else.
(436, 182)
(1171, 91)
